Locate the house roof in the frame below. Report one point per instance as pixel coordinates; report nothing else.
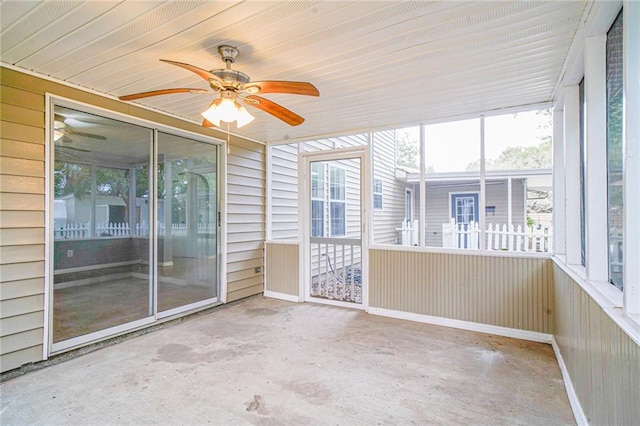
(377, 64)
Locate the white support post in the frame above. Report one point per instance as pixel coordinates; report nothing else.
(510, 202)
(481, 202)
(631, 70)
(132, 201)
(596, 171)
(268, 192)
(94, 191)
(423, 186)
(572, 174)
(558, 182)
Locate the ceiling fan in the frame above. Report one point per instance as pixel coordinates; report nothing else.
(62, 132)
(233, 86)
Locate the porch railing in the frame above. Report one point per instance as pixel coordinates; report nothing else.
(336, 268)
(408, 233)
(498, 237)
(82, 230)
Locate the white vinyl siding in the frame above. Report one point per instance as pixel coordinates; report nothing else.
(245, 204)
(284, 192)
(386, 221)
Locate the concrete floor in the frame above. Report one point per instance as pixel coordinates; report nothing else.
(264, 361)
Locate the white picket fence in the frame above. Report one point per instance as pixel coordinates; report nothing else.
(504, 238)
(81, 230)
(408, 232)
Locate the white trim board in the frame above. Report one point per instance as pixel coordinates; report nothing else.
(533, 336)
(581, 418)
(281, 296)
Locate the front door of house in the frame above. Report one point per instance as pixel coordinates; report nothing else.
(334, 254)
(464, 210)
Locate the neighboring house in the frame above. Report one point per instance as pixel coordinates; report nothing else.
(456, 197)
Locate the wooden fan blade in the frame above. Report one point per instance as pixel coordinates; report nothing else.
(207, 75)
(274, 109)
(161, 92)
(292, 87)
(72, 148)
(72, 132)
(207, 123)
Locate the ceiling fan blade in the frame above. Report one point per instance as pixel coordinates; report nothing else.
(72, 148)
(207, 75)
(207, 123)
(292, 87)
(160, 92)
(83, 134)
(274, 109)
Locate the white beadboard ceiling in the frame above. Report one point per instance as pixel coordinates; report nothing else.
(377, 64)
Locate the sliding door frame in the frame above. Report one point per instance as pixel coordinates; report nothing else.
(51, 348)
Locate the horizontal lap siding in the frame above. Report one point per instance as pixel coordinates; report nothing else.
(601, 359)
(22, 208)
(502, 291)
(245, 203)
(390, 217)
(22, 221)
(282, 261)
(284, 192)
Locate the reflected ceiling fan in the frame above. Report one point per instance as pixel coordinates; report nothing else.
(234, 86)
(62, 132)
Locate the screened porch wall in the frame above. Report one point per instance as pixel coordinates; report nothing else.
(601, 359)
(282, 275)
(503, 291)
(22, 208)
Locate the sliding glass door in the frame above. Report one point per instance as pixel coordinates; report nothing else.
(187, 222)
(101, 221)
(135, 226)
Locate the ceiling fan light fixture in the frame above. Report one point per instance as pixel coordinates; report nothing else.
(228, 110)
(243, 117)
(211, 114)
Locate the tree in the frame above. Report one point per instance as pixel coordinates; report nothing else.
(520, 157)
(407, 151)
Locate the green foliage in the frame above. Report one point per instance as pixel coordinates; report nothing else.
(407, 151)
(520, 157)
(70, 178)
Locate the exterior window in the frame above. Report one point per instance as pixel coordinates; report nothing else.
(583, 172)
(615, 152)
(317, 199)
(337, 201)
(377, 194)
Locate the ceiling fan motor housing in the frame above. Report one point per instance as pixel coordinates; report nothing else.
(228, 53)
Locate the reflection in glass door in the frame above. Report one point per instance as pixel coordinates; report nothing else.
(112, 269)
(101, 237)
(187, 222)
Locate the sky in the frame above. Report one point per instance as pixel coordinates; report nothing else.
(452, 146)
